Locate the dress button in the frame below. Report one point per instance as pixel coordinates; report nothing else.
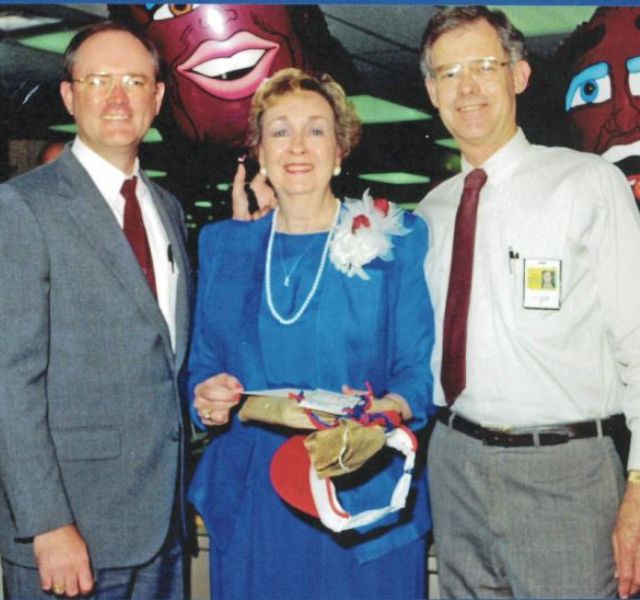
(175, 435)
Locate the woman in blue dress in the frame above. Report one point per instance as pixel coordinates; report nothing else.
(315, 295)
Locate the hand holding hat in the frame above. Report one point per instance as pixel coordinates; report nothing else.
(342, 444)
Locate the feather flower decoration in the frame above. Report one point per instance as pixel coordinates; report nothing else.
(364, 233)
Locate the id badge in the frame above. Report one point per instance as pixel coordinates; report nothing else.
(542, 281)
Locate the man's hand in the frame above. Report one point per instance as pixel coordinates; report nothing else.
(63, 562)
(240, 200)
(626, 542)
(215, 397)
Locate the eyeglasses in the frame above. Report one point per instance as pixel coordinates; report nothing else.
(481, 69)
(100, 85)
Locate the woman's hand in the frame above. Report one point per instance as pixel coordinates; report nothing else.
(215, 397)
(264, 193)
(389, 402)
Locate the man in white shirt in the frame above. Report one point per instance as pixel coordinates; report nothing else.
(94, 287)
(524, 477)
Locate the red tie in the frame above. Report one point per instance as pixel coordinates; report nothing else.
(454, 340)
(134, 231)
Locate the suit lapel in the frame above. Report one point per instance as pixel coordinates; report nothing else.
(95, 219)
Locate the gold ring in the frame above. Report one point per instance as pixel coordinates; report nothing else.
(58, 588)
(208, 414)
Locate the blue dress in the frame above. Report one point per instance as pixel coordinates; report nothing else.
(260, 546)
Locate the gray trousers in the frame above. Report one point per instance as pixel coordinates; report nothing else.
(524, 522)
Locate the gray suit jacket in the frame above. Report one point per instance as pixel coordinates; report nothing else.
(90, 416)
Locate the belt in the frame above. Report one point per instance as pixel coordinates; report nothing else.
(544, 435)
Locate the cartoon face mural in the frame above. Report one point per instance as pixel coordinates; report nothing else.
(603, 95)
(217, 55)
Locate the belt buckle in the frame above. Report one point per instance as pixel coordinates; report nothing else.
(549, 435)
(543, 429)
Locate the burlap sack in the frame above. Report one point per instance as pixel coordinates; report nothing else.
(278, 411)
(343, 449)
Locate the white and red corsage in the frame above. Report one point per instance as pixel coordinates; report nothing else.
(364, 233)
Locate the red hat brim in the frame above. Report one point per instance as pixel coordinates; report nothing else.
(289, 474)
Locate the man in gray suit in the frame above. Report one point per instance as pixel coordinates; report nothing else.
(94, 311)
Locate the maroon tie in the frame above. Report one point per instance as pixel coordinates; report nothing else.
(454, 339)
(134, 231)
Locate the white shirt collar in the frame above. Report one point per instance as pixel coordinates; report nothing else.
(499, 165)
(108, 178)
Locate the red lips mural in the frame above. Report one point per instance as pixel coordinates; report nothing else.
(217, 55)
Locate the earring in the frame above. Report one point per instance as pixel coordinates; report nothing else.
(263, 171)
(337, 170)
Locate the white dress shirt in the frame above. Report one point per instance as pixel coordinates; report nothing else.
(109, 179)
(531, 366)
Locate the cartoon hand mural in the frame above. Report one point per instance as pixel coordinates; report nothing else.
(602, 99)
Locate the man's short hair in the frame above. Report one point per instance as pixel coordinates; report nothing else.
(451, 17)
(103, 27)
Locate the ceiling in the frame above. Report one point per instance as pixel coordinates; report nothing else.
(381, 39)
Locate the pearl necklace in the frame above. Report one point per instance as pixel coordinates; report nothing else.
(316, 282)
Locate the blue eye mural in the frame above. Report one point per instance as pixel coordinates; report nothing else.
(591, 86)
